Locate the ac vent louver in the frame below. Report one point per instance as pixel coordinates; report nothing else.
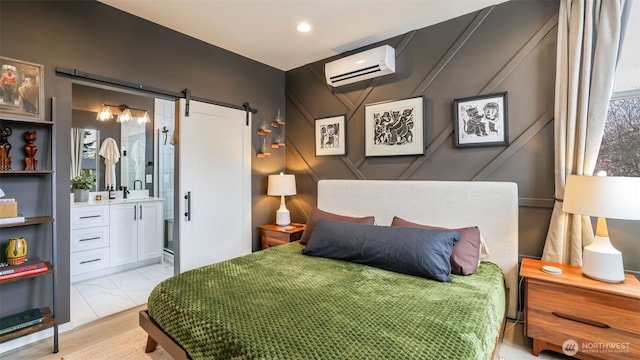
(361, 66)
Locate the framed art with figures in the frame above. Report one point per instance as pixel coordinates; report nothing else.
(330, 134)
(394, 127)
(21, 89)
(481, 121)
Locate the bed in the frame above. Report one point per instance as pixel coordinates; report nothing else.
(282, 304)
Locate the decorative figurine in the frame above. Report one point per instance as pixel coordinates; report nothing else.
(31, 163)
(5, 147)
(16, 250)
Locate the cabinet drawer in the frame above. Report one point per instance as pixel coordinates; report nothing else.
(595, 341)
(89, 260)
(268, 242)
(90, 238)
(89, 216)
(276, 235)
(614, 311)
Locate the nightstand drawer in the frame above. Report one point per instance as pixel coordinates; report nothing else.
(276, 235)
(268, 242)
(594, 341)
(586, 306)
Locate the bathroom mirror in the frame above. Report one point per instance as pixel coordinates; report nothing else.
(84, 153)
(135, 141)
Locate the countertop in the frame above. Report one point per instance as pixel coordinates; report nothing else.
(134, 196)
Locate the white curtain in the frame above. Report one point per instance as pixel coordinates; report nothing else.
(77, 137)
(590, 34)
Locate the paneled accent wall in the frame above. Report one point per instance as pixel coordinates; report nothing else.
(507, 48)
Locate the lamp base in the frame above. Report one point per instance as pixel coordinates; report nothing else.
(283, 217)
(601, 261)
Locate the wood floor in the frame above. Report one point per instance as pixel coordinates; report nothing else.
(80, 337)
(514, 346)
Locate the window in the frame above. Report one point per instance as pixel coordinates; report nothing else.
(620, 149)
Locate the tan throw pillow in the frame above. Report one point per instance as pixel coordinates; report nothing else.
(466, 252)
(320, 214)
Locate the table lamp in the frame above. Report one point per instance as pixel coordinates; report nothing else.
(282, 185)
(605, 197)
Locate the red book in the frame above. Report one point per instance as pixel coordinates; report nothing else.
(33, 263)
(24, 273)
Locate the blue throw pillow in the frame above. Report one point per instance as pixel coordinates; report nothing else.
(412, 251)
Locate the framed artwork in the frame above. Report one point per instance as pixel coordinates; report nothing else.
(481, 121)
(394, 127)
(331, 136)
(21, 89)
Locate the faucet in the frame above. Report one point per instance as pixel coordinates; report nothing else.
(124, 191)
(135, 182)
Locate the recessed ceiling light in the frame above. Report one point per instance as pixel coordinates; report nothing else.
(303, 27)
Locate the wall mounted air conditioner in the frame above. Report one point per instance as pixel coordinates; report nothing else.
(361, 66)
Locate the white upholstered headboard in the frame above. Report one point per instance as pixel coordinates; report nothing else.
(492, 206)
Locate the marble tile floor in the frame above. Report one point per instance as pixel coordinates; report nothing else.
(100, 297)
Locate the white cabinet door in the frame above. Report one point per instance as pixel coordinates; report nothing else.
(149, 230)
(214, 158)
(123, 233)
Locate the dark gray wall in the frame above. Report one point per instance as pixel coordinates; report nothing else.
(98, 39)
(510, 47)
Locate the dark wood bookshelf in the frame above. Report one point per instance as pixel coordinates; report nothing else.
(25, 172)
(19, 278)
(30, 221)
(48, 322)
(26, 121)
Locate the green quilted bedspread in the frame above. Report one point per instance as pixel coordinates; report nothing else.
(280, 304)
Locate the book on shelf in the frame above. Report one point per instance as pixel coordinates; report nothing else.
(12, 220)
(29, 264)
(24, 273)
(20, 321)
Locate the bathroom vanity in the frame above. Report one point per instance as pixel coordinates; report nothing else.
(109, 236)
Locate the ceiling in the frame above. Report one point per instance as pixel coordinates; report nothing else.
(265, 30)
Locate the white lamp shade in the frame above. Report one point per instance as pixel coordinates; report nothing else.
(281, 185)
(603, 196)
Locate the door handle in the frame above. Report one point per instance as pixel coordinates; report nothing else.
(187, 197)
(135, 213)
(140, 211)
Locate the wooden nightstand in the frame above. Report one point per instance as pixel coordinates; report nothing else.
(274, 235)
(600, 320)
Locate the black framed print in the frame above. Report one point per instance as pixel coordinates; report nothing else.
(481, 121)
(21, 89)
(394, 127)
(330, 134)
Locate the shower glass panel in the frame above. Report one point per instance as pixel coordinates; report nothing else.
(165, 124)
(132, 155)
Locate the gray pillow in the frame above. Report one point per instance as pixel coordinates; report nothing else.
(406, 250)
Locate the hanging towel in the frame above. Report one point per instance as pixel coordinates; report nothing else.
(109, 151)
